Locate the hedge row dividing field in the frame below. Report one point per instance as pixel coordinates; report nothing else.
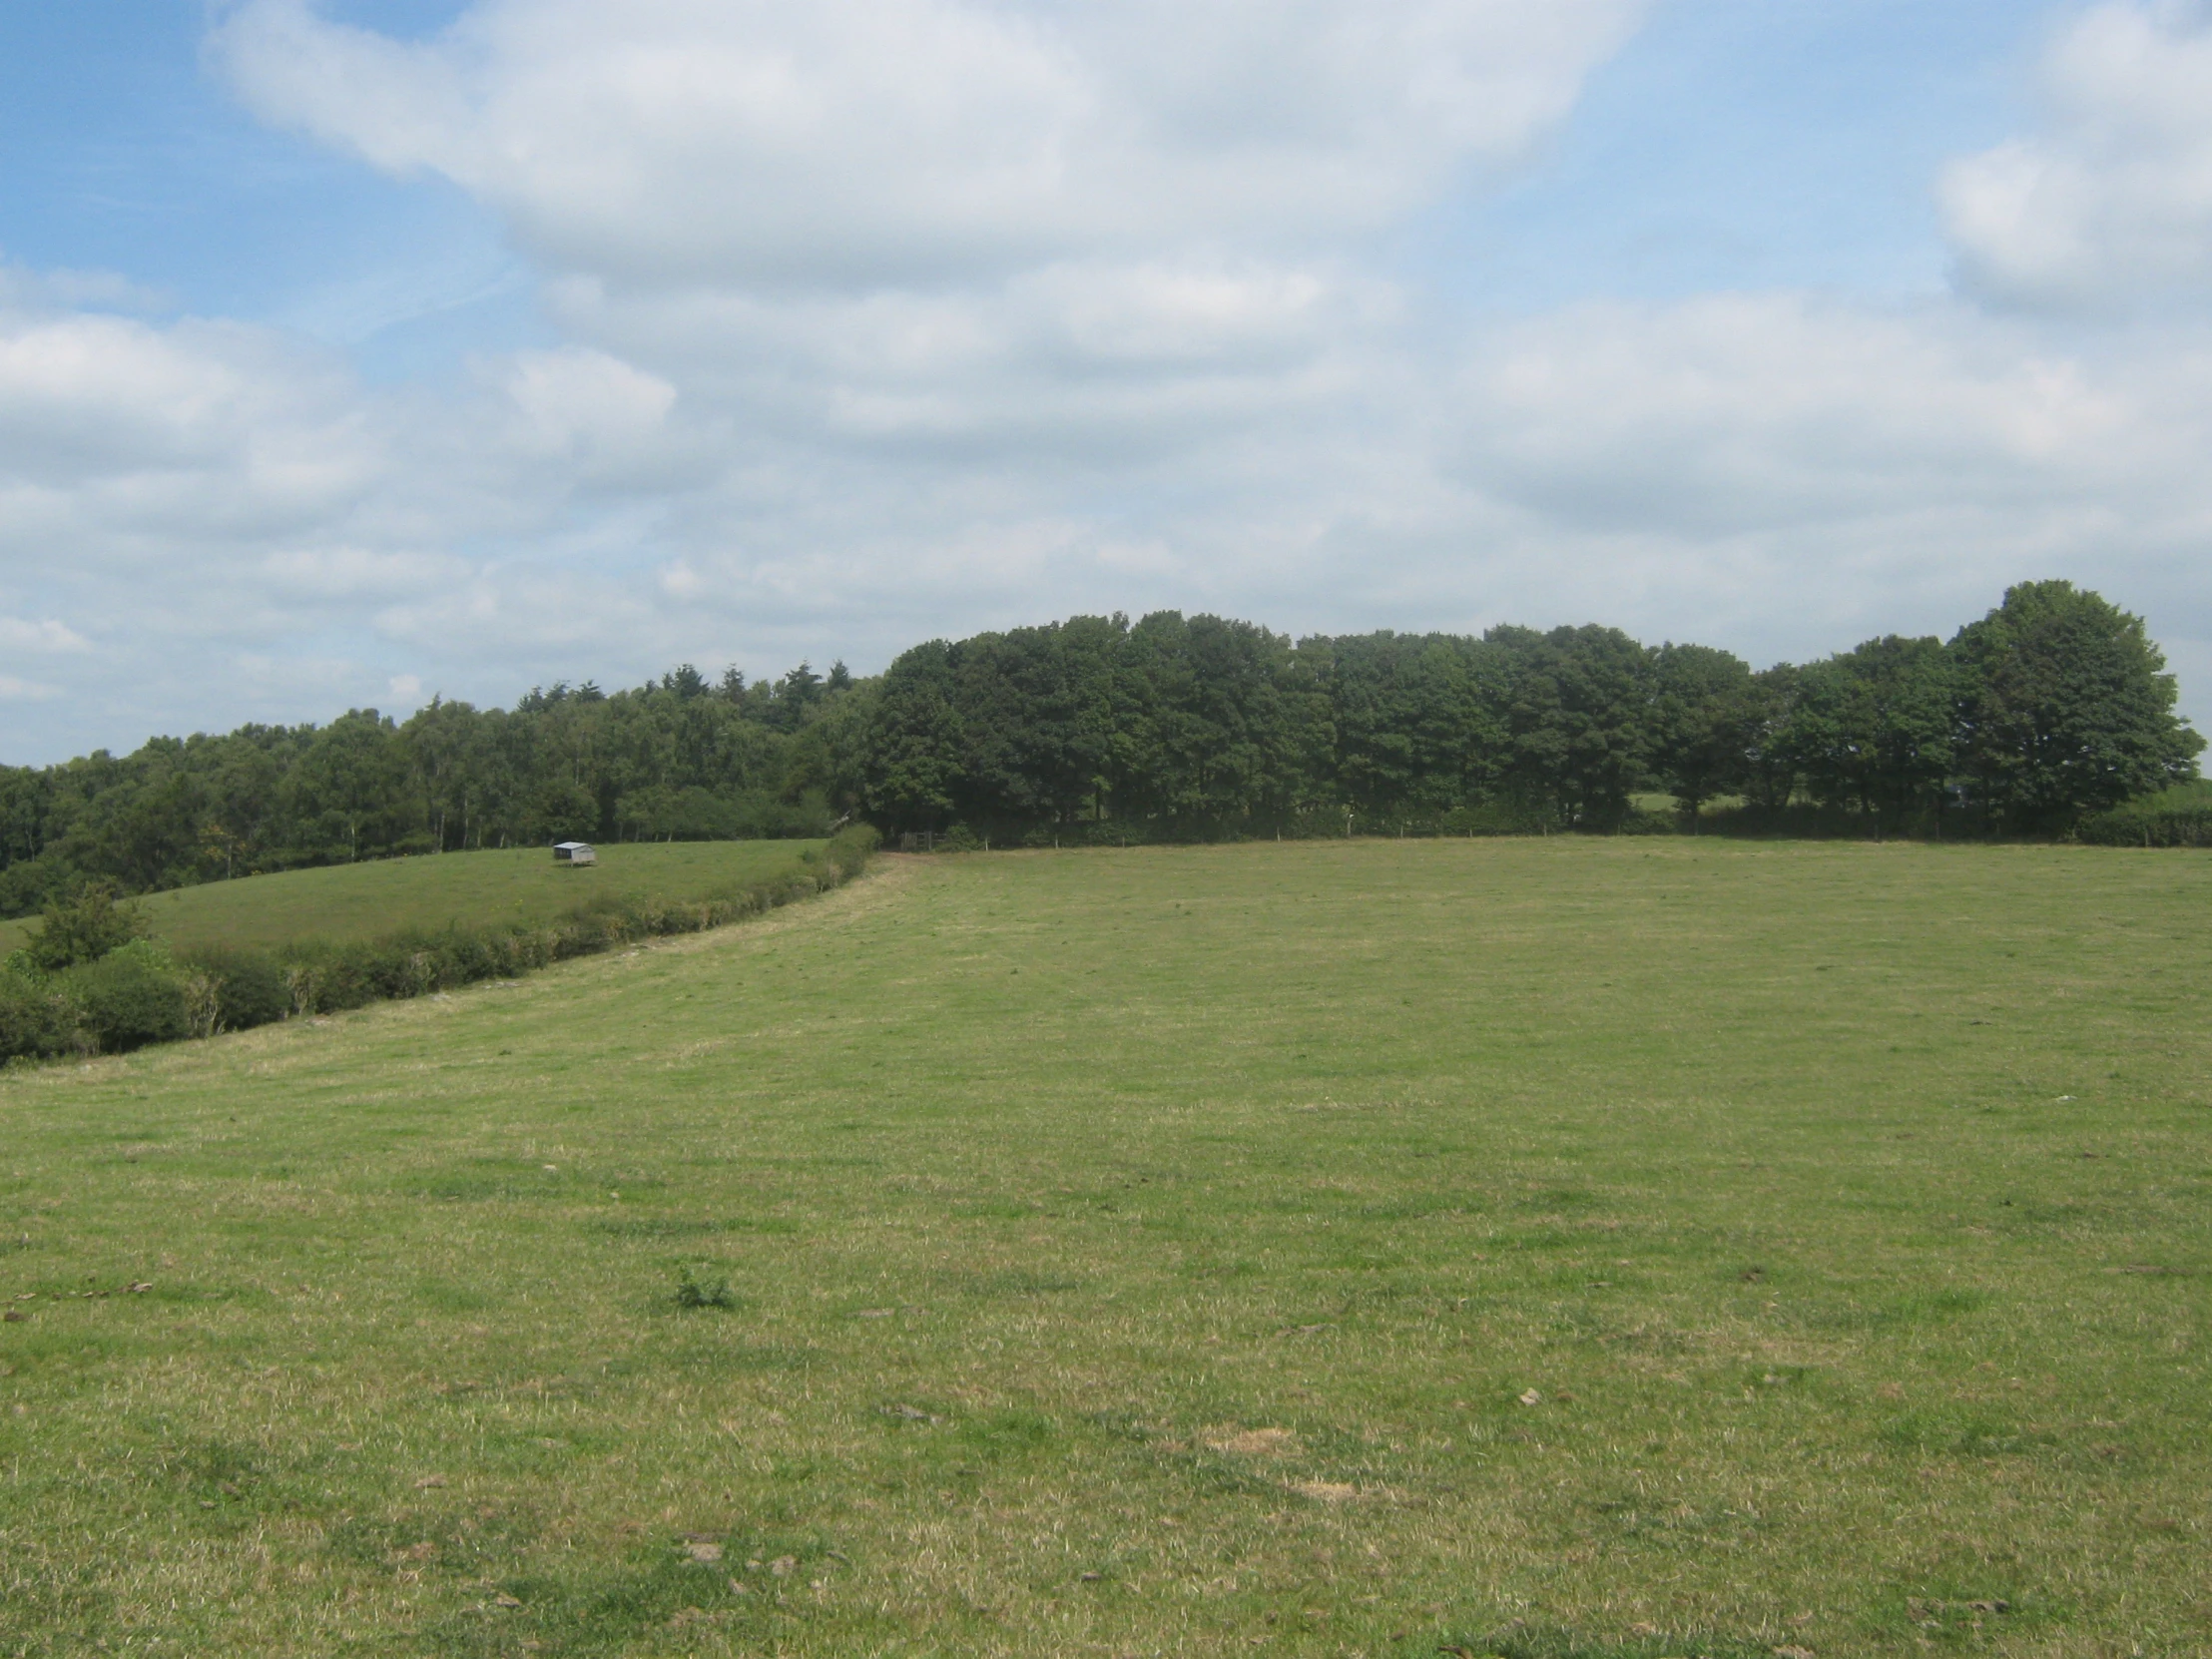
(514, 886)
(1570, 1247)
(95, 979)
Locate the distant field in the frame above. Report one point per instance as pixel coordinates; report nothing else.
(1583, 1249)
(355, 901)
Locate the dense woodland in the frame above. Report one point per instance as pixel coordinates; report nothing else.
(2053, 707)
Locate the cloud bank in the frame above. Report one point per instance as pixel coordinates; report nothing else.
(907, 317)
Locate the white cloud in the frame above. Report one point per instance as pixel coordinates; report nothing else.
(889, 142)
(1067, 358)
(91, 400)
(354, 573)
(226, 499)
(1784, 467)
(1734, 412)
(13, 690)
(43, 636)
(588, 409)
(2112, 198)
(1774, 472)
(952, 228)
(889, 287)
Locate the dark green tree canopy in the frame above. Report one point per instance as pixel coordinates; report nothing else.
(84, 928)
(1873, 729)
(2063, 708)
(1702, 715)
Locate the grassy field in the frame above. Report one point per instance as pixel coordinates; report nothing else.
(1555, 1247)
(368, 900)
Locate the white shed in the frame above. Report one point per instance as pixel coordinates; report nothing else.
(574, 852)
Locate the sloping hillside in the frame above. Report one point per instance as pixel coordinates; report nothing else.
(1566, 1247)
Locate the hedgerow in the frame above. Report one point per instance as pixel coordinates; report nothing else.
(2180, 817)
(139, 993)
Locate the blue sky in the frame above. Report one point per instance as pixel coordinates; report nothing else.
(126, 155)
(353, 353)
(1738, 144)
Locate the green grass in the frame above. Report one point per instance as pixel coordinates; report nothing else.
(1149, 1253)
(345, 902)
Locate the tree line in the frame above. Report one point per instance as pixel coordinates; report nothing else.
(684, 759)
(2053, 707)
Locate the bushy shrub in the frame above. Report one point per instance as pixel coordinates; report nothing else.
(693, 1292)
(132, 996)
(35, 1021)
(1505, 815)
(1808, 822)
(84, 928)
(1089, 833)
(850, 849)
(2180, 817)
(247, 987)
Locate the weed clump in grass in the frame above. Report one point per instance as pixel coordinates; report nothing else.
(693, 1292)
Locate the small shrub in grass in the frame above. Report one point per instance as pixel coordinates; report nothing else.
(692, 1292)
(203, 1003)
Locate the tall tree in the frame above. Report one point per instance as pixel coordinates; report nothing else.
(1418, 719)
(1702, 715)
(2065, 707)
(351, 790)
(1225, 723)
(243, 785)
(915, 741)
(1771, 769)
(1578, 712)
(1872, 730)
(1902, 705)
(1037, 716)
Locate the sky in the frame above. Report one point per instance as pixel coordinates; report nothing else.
(361, 352)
